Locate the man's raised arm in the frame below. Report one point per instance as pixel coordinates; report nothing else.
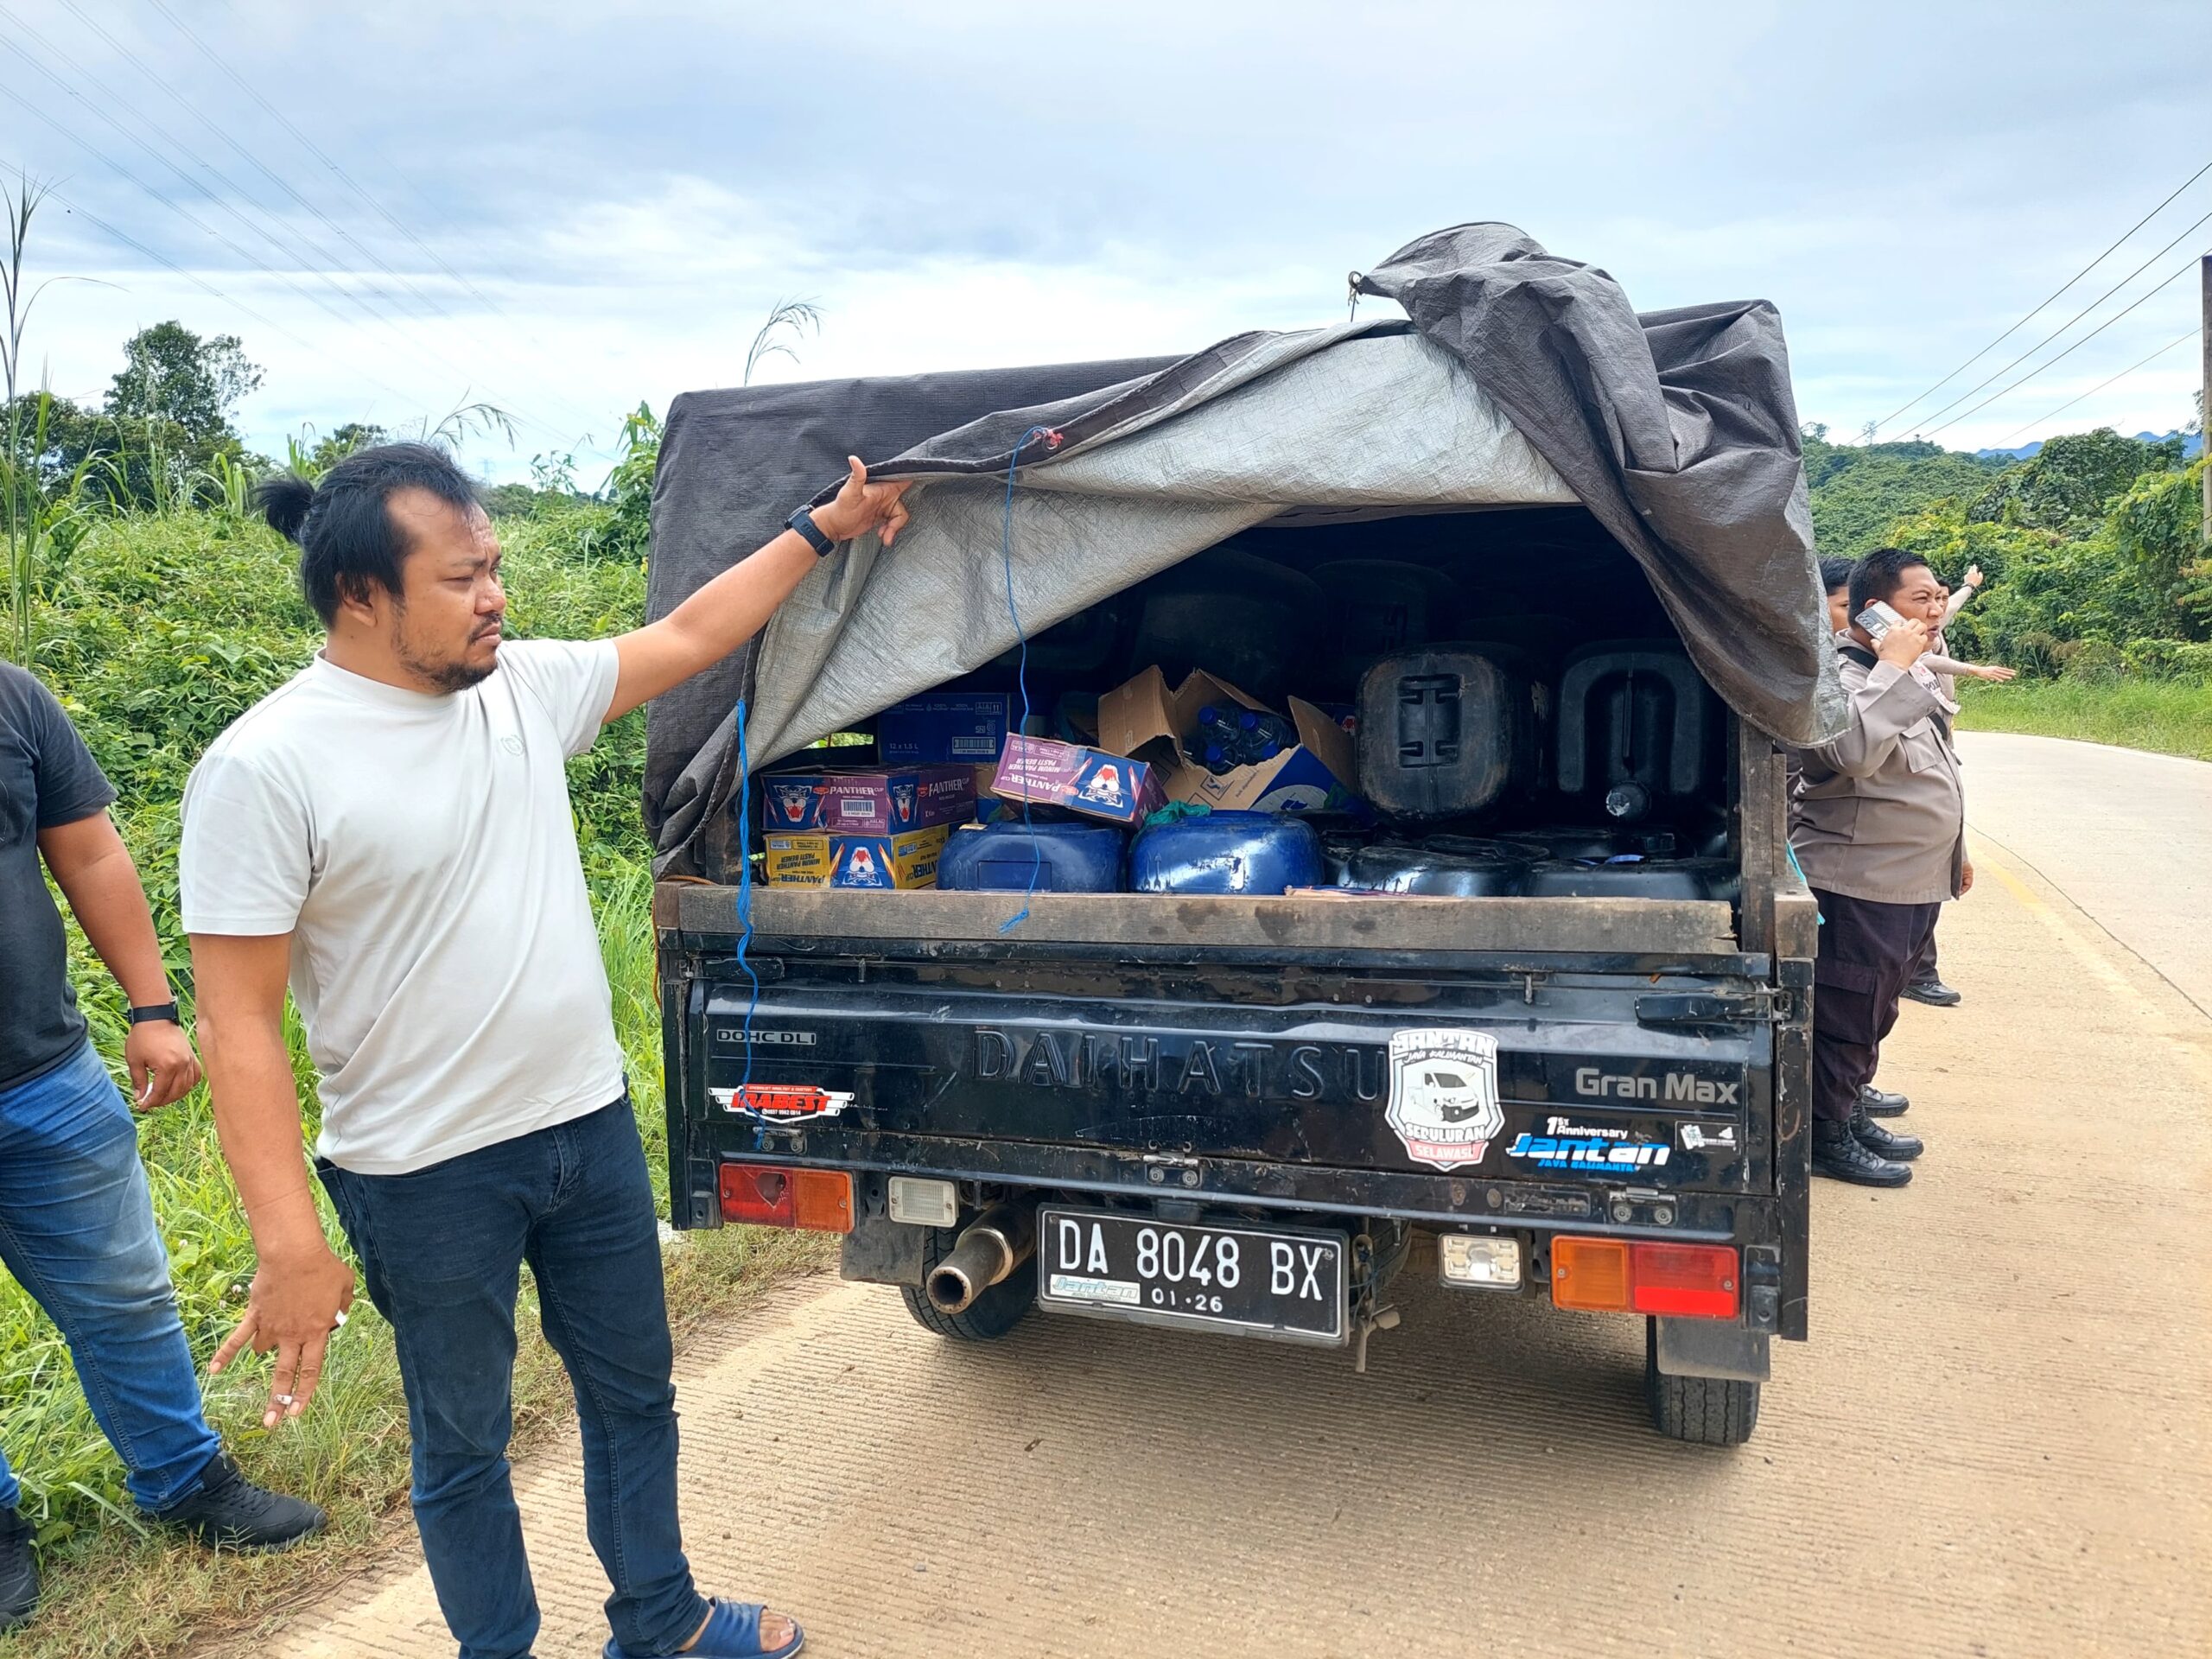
(300, 1287)
(734, 606)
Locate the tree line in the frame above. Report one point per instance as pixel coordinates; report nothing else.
(2094, 549)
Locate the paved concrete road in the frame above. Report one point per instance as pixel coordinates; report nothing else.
(2126, 835)
(1999, 1441)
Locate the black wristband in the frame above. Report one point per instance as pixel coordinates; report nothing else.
(148, 1015)
(811, 533)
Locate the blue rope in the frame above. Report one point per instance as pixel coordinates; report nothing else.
(744, 897)
(1006, 559)
(1819, 920)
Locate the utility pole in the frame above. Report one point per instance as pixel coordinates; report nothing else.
(2204, 409)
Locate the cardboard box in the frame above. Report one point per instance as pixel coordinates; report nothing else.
(1085, 780)
(869, 862)
(1142, 718)
(878, 802)
(969, 726)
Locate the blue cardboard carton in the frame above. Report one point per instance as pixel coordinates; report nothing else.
(965, 726)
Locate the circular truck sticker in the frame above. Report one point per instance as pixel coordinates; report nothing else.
(1444, 1096)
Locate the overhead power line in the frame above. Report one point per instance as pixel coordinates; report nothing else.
(426, 301)
(316, 150)
(290, 254)
(2044, 368)
(101, 112)
(2186, 232)
(2179, 340)
(207, 286)
(209, 231)
(2055, 293)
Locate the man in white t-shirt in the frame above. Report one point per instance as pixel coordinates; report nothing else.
(390, 833)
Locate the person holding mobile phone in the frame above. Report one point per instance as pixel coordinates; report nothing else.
(77, 1225)
(1878, 827)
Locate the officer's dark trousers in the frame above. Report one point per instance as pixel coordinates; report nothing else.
(1924, 970)
(1868, 952)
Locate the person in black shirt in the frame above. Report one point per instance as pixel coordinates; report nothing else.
(76, 1219)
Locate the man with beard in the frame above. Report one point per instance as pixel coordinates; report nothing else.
(390, 832)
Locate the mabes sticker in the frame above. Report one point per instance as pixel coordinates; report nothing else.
(1444, 1094)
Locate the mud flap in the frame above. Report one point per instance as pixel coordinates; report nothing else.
(1711, 1348)
(879, 1251)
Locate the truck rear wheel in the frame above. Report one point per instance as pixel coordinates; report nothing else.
(990, 1316)
(1702, 1410)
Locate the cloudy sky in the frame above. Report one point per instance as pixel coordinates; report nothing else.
(567, 209)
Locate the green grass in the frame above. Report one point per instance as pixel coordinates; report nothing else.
(156, 631)
(2168, 716)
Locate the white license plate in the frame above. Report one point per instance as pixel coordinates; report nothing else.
(1283, 1282)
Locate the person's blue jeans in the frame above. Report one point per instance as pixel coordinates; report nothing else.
(440, 1249)
(77, 1231)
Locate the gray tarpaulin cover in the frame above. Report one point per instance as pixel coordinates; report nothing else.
(1524, 379)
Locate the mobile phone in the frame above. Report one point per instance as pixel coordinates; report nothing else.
(1877, 620)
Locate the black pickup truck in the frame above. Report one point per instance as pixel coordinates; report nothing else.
(1243, 1113)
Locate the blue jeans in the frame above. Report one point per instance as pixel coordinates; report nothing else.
(440, 1249)
(77, 1231)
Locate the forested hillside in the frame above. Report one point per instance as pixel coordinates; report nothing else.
(2092, 549)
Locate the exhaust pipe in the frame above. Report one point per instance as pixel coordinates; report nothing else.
(996, 1242)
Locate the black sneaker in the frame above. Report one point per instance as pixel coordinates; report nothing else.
(18, 1571)
(1837, 1155)
(1881, 1103)
(1897, 1148)
(1934, 992)
(230, 1512)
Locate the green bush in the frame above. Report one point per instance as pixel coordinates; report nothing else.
(2095, 661)
(2167, 660)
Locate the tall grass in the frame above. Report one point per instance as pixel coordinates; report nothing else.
(2168, 716)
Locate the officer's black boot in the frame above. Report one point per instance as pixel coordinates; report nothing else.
(1882, 1102)
(1934, 991)
(1884, 1143)
(1837, 1155)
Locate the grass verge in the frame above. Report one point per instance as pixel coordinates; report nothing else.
(2167, 716)
(122, 1591)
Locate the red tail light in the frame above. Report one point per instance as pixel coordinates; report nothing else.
(1608, 1275)
(818, 1200)
(1697, 1279)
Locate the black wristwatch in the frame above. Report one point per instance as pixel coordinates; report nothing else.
(147, 1016)
(803, 522)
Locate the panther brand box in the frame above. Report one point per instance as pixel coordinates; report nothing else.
(968, 726)
(881, 863)
(1089, 781)
(867, 802)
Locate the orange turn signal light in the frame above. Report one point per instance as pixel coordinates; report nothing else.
(1590, 1275)
(1611, 1275)
(770, 1195)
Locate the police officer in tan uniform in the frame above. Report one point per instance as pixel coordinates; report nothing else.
(1880, 830)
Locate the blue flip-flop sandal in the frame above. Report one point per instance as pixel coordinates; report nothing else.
(733, 1632)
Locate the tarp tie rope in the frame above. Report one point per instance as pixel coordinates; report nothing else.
(1819, 920)
(745, 900)
(1006, 559)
